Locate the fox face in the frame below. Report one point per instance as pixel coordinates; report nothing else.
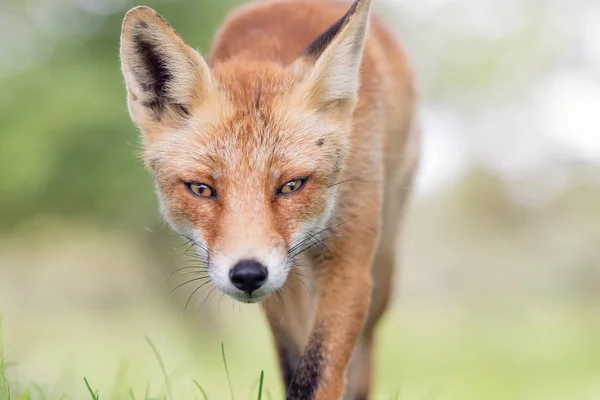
(245, 155)
(250, 183)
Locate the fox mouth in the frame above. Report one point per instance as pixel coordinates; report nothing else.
(250, 298)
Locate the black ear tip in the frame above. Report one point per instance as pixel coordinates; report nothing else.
(353, 7)
(317, 47)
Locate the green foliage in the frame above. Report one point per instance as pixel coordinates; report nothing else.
(67, 145)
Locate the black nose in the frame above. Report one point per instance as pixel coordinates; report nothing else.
(248, 275)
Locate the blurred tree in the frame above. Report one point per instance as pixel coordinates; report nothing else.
(67, 146)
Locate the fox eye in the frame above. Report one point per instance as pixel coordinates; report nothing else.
(200, 189)
(292, 186)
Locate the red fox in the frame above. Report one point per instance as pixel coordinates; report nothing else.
(287, 158)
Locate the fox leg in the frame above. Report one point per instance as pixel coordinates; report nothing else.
(344, 284)
(289, 319)
(361, 365)
(340, 315)
(386, 261)
(360, 370)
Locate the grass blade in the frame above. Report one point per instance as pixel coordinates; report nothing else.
(227, 370)
(4, 388)
(260, 385)
(201, 389)
(94, 395)
(162, 367)
(119, 386)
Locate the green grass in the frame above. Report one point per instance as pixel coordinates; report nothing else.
(4, 389)
(548, 354)
(94, 394)
(6, 394)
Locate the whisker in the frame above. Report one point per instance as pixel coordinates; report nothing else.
(310, 245)
(210, 292)
(309, 242)
(198, 269)
(296, 268)
(190, 240)
(299, 277)
(404, 184)
(186, 282)
(320, 242)
(350, 180)
(221, 304)
(195, 263)
(298, 245)
(188, 249)
(192, 295)
(195, 272)
(278, 293)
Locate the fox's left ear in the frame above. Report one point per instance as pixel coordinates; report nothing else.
(334, 60)
(165, 77)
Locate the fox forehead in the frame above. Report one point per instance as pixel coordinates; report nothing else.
(256, 126)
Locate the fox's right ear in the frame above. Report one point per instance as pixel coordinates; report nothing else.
(334, 61)
(165, 77)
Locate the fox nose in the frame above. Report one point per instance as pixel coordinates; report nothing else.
(248, 275)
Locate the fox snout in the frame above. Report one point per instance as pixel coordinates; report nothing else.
(248, 275)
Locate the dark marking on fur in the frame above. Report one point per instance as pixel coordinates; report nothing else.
(310, 370)
(153, 77)
(317, 47)
(320, 142)
(156, 108)
(289, 357)
(338, 162)
(182, 109)
(361, 397)
(153, 163)
(156, 73)
(257, 100)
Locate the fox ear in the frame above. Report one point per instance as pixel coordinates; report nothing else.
(165, 77)
(334, 60)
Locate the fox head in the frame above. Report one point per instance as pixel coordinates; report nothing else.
(245, 156)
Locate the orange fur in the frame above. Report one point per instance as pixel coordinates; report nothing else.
(274, 105)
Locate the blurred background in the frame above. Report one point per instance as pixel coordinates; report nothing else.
(499, 291)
